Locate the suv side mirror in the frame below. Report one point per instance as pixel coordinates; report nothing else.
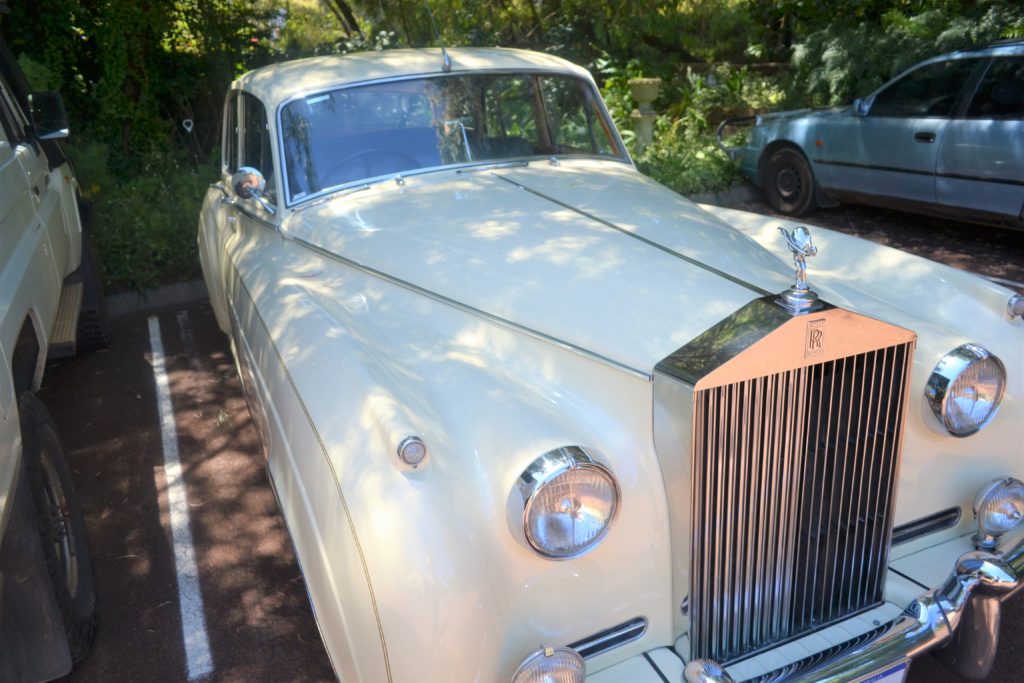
(47, 115)
(861, 105)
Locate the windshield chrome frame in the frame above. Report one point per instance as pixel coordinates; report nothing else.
(622, 156)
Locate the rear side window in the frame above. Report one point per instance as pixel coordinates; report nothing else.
(931, 90)
(1001, 92)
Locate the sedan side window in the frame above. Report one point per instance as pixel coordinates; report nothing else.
(1001, 93)
(932, 90)
(256, 149)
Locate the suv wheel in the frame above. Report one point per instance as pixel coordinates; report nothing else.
(60, 525)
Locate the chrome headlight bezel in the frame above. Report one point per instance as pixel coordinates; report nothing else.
(949, 368)
(542, 472)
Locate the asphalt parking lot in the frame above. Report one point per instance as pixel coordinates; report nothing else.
(257, 618)
(254, 609)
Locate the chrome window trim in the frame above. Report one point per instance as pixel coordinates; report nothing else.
(548, 467)
(946, 372)
(622, 156)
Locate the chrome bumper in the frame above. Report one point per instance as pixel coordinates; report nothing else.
(962, 614)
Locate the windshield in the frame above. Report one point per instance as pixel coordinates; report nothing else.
(351, 134)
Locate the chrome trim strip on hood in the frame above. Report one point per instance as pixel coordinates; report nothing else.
(651, 243)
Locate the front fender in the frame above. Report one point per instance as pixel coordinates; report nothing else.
(440, 566)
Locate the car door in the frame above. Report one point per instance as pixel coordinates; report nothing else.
(218, 217)
(892, 151)
(981, 159)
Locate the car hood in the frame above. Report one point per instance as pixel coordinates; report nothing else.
(587, 253)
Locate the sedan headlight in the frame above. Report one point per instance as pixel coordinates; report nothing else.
(965, 389)
(998, 508)
(569, 502)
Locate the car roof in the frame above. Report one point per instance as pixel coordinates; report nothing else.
(1010, 48)
(278, 82)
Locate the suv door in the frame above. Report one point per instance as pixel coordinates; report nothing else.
(31, 166)
(893, 150)
(981, 160)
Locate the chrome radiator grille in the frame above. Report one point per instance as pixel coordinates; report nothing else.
(794, 475)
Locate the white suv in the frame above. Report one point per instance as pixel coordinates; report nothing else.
(49, 294)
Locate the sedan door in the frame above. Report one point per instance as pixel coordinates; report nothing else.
(981, 159)
(893, 150)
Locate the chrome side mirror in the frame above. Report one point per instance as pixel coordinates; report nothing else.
(249, 183)
(861, 105)
(47, 115)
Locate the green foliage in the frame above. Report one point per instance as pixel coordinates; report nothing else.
(131, 71)
(686, 160)
(145, 228)
(841, 61)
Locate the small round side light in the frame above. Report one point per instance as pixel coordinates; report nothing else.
(551, 665)
(412, 450)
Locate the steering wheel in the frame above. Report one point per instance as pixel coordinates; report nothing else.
(404, 160)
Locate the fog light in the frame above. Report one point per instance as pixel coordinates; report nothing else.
(998, 508)
(551, 665)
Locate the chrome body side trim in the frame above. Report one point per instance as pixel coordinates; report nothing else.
(610, 638)
(945, 519)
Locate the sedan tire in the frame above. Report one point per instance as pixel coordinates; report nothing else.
(788, 182)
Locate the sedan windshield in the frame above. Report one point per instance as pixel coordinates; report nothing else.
(351, 134)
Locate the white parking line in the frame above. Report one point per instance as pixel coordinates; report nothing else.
(190, 597)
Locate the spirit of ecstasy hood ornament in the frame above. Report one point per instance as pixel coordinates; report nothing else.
(799, 298)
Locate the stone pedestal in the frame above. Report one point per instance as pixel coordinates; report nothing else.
(645, 91)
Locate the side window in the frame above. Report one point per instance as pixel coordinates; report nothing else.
(1001, 92)
(931, 90)
(573, 118)
(256, 150)
(229, 147)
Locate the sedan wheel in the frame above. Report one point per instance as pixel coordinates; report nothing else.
(789, 182)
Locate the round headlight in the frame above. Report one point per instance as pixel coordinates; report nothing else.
(965, 389)
(569, 502)
(998, 508)
(551, 665)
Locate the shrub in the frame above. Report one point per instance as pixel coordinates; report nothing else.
(145, 228)
(686, 159)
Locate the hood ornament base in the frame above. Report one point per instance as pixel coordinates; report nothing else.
(799, 298)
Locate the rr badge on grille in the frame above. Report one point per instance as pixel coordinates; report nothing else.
(815, 342)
